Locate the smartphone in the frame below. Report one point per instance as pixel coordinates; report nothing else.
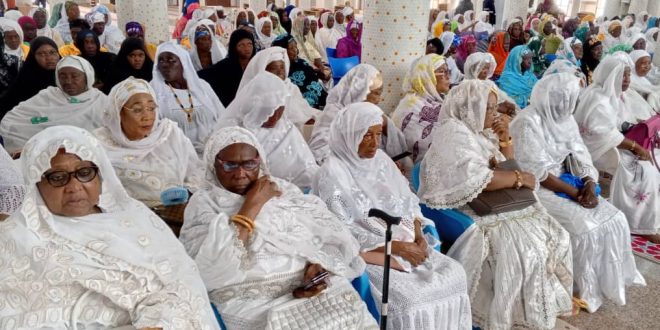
(316, 280)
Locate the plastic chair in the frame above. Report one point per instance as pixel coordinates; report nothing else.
(340, 66)
(331, 52)
(451, 224)
(362, 286)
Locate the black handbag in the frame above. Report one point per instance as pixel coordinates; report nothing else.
(503, 200)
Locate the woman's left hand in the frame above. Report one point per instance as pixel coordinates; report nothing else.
(310, 272)
(501, 127)
(419, 237)
(587, 196)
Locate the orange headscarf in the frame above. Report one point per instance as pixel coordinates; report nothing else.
(497, 49)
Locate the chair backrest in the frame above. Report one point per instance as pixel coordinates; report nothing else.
(330, 52)
(340, 66)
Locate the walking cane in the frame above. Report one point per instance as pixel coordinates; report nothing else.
(390, 221)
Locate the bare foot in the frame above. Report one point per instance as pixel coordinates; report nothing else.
(653, 238)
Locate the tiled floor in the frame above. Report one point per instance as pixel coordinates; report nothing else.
(640, 312)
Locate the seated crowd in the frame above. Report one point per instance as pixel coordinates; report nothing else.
(223, 179)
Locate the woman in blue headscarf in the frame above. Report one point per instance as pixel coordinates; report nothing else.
(518, 80)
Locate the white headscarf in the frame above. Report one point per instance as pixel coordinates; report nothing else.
(124, 261)
(418, 111)
(475, 62)
(7, 25)
(447, 38)
(650, 40)
(326, 37)
(566, 51)
(13, 15)
(546, 132)
(352, 88)
(298, 109)
(12, 188)
(218, 51)
(596, 113)
(352, 185)
(461, 147)
(643, 109)
(265, 40)
(52, 106)
(287, 153)
(289, 223)
(165, 158)
(483, 25)
(294, 13)
(205, 115)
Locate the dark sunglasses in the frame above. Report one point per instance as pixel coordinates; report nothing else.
(61, 178)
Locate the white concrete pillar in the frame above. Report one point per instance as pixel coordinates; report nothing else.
(152, 14)
(612, 8)
(257, 5)
(478, 7)
(654, 8)
(575, 8)
(637, 6)
(394, 35)
(513, 9)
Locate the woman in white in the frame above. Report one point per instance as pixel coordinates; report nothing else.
(327, 36)
(12, 188)
(425, 85)
(518, 263)
(41, 15)
(600, 116)
(251, 267)
(149, 155)
(261, 108)
(112, 36)
(546, 134)
(218, 51)
(483, 24)
(73, 102)
(427, 290)
(265, 33)
(276, 61)
(642, 65)
(482, 66)
(182, 96)
(651, 39)
(456, 76)
(87, 256)
(363, 83)
(21, 51)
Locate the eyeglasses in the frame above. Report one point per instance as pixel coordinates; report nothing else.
(139, 110)
(228, 166)
(61, 178)
(47, 53)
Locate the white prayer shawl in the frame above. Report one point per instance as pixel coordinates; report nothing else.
(63, 26)
(12, 188)
(350, 186)
(648, 91)
(476, 62)
(287, 153)
(651, 40)
(352, 88)
(298, 109)
(207, 106)
(251, 284)
(265, 40)
(531, 250)
(112, 37)
(218, 51)
(546, 134)
(340, 28)
(483, 25)
(52, 107)
(418, 111)
(326, 37)
(121, 267)
(47, 31)
(7, 25)
(611, 41)
(165, 158)
(596, 113)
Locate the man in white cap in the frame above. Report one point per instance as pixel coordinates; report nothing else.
(110, 41)
(225, 25)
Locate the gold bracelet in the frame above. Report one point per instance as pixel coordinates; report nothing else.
(519, 182)
(506, 144)
(244, 218)
(243, 224)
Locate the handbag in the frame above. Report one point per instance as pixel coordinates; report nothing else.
(503, 200)
(172, 215)
(573, 166)
(647, 135)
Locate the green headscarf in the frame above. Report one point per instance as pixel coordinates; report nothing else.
(55, 15)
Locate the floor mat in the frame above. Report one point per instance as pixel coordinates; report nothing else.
(645, 249)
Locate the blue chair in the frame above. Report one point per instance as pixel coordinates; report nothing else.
(331, 52)
(362, 286)
(218, 317)
(340, 66)
(451, 224)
